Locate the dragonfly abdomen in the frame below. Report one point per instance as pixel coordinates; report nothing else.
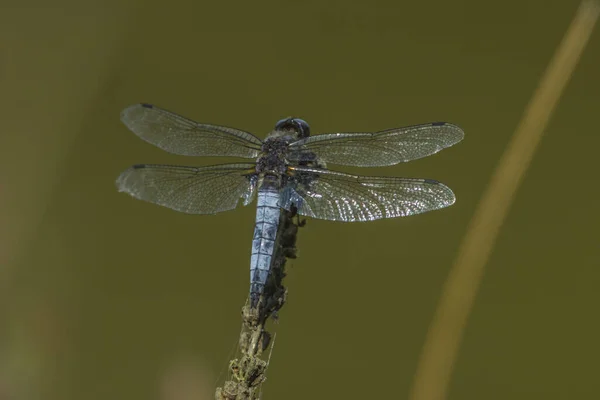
(263, 241)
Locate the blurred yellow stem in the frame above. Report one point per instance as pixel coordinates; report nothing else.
(460, 289)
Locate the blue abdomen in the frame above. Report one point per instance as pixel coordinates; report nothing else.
(263, 242)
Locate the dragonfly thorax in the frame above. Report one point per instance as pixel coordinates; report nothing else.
(273, 156)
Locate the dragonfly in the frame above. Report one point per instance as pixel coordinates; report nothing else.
(288, 170)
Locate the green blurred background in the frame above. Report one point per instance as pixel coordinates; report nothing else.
(105, 297)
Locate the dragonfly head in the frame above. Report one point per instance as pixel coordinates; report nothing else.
(297, 125)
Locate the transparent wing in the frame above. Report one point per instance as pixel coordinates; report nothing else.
(202, 190)
(337, 196)
(378, 149)
(180, 135)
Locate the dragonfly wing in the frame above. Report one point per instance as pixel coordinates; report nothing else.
(337, 196)
(179, 135)
(202, 190)
(378, 149)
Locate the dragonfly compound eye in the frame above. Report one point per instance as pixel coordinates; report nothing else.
(297, 125)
